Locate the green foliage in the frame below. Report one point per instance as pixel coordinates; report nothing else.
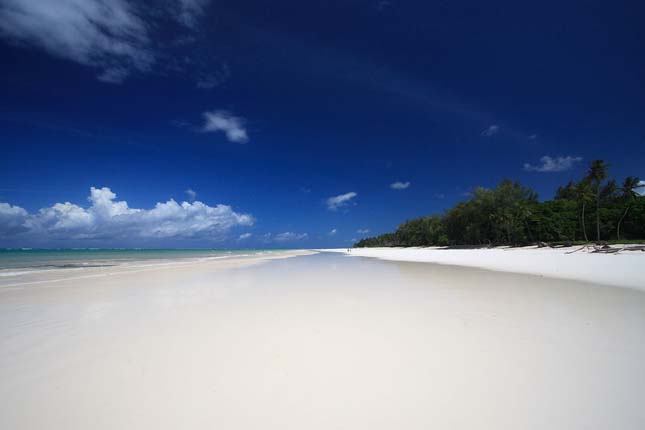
(423, 231)
(387, 239)
(493, 216)
(556, 221)
(510, 214)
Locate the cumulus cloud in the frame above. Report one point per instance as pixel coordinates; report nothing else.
(109, 219)
(12, 219)
(336, 202)
(490, 131)
(112, 36)
(553, 164)
(191, 194)
(399, 185)
(231, 126)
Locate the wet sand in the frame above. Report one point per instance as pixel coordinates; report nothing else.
(321, 341)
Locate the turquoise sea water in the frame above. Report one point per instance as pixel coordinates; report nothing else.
(14, 261)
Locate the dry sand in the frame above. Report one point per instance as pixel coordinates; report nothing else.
(320, 342)
(625, 269)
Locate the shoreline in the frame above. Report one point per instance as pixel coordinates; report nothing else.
(623, 270)
(36, 277)
(321, 341)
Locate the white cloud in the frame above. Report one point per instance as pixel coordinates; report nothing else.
(333, 232)
(113, 75)
(109, 35)
(12, 219)
(641, 188)
(191, 194)
(333, 203)
(553, 164)
(190, 11)
(245, 236)
(491, 131)
(112, 36)
(287, 236)
(363, 231)
(109, 219)
(223, 121)
(399, 185)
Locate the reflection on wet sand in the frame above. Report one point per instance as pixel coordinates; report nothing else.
(322, 341)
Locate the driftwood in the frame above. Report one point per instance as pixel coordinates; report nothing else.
(606, 249)
(634, 248)
(579, 249)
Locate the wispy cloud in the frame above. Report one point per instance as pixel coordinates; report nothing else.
(362, 72)
(244, 236)
(290, 236)
(190, 11)
(553, 164)
(111, 36)
(382, 5)
(232, 126)
(108, 219)
(287, 236)
(641, 188)
(113, 75)
(333, 232)
(215, 77)
(363, 231)
(191, 194)
(339, 201)
(399, 185)
(491, 131)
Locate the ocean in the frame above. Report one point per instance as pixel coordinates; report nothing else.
(15, 262)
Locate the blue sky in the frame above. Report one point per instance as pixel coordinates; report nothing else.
(291, 122)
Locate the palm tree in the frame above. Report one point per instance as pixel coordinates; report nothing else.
(596, 175)
(628, 194)
(583, 195)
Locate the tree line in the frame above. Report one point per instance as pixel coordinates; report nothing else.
(594, 208)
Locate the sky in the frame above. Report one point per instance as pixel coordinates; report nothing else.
(249, 124)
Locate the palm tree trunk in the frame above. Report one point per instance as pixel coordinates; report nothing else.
(584, 229)
(598, 215)
(620, 221)
(528, 230)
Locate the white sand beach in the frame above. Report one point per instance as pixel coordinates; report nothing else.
(625, 269)
(320, 341)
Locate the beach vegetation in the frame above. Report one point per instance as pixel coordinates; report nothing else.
(512, 214)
